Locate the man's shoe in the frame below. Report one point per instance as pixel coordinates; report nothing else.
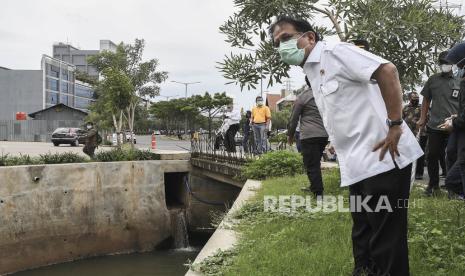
(454, 196)
(429, 191)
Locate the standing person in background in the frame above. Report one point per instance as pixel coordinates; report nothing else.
(313, 138)
(91, 140)
(261, 117)
(455, 180)
(441, 92)
(246, 130)
(411, 114)
(230, 128)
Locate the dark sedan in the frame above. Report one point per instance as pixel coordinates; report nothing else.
(70, 136)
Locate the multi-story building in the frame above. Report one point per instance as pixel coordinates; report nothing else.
(78, 57)
(32, 90)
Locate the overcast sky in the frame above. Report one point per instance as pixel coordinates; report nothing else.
(182, 34)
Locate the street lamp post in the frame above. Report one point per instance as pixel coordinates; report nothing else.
(185, 84)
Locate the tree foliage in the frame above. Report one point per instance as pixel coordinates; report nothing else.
(211, 106)
(410, 33)
(142, 76)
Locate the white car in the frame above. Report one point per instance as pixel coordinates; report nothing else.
(128, 137)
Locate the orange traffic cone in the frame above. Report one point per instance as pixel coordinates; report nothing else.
(154, 141)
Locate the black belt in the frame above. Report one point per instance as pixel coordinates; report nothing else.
(259, 123)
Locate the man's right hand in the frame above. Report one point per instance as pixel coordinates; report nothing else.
(421, 123)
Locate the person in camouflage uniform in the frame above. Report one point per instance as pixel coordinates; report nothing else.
(91, 140)
(411, 114)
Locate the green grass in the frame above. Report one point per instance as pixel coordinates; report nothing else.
(320, 243)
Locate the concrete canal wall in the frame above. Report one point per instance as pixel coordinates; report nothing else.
(56, 213)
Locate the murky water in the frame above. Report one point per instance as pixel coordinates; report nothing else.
(156, 263)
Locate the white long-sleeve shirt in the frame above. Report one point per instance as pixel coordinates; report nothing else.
(233, 117)
(353, 110)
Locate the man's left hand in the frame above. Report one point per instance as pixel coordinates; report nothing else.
(447, 125)
(389, 143)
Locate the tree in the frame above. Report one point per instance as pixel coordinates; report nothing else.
(410, 33)
(210, 106)
(115, 92)
(280, 118)
(172, 113)
(143, 76)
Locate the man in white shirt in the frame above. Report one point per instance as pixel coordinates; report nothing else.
(360, 100)
(230, 127)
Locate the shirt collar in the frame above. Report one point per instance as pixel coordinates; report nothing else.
(315, 54)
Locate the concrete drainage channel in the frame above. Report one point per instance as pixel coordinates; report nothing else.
(61, 213)
(224, 237)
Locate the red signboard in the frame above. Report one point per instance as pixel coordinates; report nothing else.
(21, 116)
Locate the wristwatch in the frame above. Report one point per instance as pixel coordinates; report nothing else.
(391, 123)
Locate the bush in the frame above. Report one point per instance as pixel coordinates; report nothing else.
(6, 160)
(125, 154)
(273, 164)
(61, 158)
(280, 137)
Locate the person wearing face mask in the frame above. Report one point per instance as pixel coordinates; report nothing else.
(261, 116)
(91, 140)
(359, 97)
(230, 128)
(411, 114)
(455, 180)
(440, 101)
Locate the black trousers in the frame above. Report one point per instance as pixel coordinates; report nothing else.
(379, 239)
(89, 150)
(421, 161)
(455, 180)
(312, 151)
(437, 142)
(229, 141)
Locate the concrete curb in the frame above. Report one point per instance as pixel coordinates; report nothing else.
(224, 237)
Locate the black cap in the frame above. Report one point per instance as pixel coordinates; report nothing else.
(442, 58)
(456, 55)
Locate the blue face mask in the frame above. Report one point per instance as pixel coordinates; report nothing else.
(290, 53)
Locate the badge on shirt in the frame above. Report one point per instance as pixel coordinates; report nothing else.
(455, 94)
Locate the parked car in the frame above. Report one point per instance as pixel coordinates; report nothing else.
(66, 135)
(157, 132)
(128, 137)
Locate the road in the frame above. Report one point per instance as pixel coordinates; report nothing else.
(35, 149)
(163, 143)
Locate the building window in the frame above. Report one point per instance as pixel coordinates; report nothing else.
(52, 98)
(85, 92)
(64, 87)
(64, 74)
(53, 71)
(64, 99)
(52, 84)
(82, 103)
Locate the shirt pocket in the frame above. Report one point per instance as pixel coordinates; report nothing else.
(331, 96)
(329, 87)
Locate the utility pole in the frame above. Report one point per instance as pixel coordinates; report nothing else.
(185, 84)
